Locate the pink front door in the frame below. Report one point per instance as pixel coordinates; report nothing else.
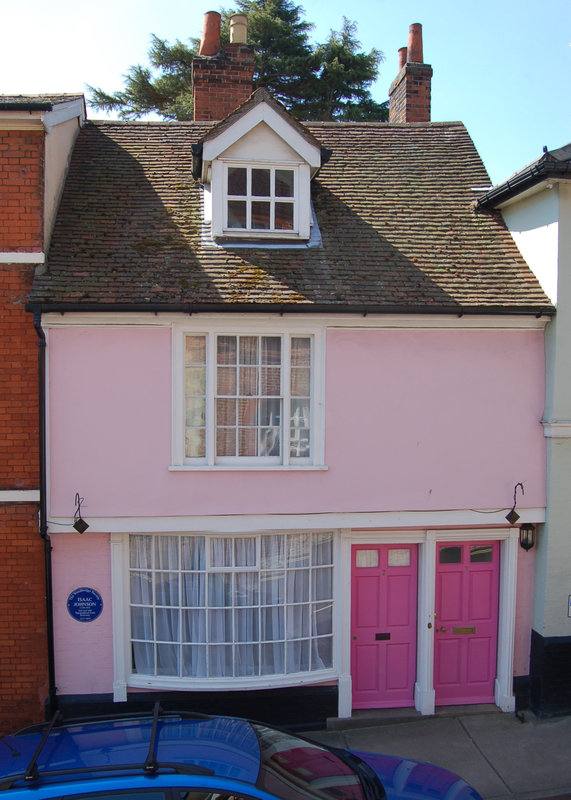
(383, 625)
(466, 623)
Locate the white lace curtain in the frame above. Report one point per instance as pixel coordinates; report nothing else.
(231, 607)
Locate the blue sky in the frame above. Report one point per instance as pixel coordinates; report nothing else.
(503, 67)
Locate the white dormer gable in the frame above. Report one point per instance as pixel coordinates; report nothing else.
(257, 166)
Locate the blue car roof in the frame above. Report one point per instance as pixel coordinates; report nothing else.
(225, 746)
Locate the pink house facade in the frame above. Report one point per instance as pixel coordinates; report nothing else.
(417, 468)
(294, 384)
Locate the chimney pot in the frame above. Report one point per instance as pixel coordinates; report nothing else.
(238, 29)
(403, 55)
(210, 42)
(415, 43)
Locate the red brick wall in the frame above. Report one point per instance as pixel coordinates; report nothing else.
(19, 451)
(222, 82)
(23, 662)
(21, 190)
(23, 641)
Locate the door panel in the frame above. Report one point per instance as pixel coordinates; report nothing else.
(383, 625)
(466, 623)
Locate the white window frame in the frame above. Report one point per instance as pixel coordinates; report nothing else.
(242, 327)
(124, 677)
(301, 201)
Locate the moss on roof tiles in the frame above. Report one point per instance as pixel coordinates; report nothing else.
(394, 206)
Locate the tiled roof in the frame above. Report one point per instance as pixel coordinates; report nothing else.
(395, 208)
(41, 102)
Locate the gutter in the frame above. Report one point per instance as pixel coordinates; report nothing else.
(51, 707)
(546, 168)
(360, 309)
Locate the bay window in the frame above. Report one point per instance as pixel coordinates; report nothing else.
(211, 608)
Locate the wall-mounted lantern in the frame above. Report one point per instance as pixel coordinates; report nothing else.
(527, 536)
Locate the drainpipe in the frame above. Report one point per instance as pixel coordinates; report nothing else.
(43, 520)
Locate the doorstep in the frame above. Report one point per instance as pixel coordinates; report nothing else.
(366, 718)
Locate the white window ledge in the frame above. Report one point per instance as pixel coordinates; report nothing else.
(226, 684)
(247, 468)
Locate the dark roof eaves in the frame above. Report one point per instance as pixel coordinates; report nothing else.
(290, 308)
(544, 168)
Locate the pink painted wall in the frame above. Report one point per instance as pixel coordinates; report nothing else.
(524, 610)
(415, 420)
(84, 650)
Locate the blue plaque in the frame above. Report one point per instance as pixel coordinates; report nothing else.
(84, 604)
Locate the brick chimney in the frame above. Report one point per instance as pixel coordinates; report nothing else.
(410, 91)
(221, 77)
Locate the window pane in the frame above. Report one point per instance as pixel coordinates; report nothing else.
(284, 183)
(300, 381)
(225, 441)
(246, 625)
(168, 659)
(166, 552)
(322, 549)
(225, 412)
(297, 654)
(272, 588)
(221, 552)
(220, 625)
(300, 443)
(283, 217)
(195, 443)
(247, 660)
(272, 618)
(246, 592)
(480, 553)
(249, 349)
(298, 586)
(142, 588)
(300, 351)
(272, 660)
(245, 552)
(261, 182)
(194, 661)
(300, 413)
(322, 618)
(226, 350)
(236, 214)
(226, 380)
(237, 180)
(322, 653)
(271, 381)
(269, 442)
(450, 555)
(322, 583)
(220, 661)
(194, 626)
(248, 381)
(271, 350)
(195, 380)
(142, 623)
(195, 412)
(260, 215)
(247, 441)
(367, 559)
(298, 550)
(140, 551)
(270, 412)
(219, 590)
(195, 350)
(273, 551)
(143, 658)
(192, 552)
(194, 590)
(399, 557)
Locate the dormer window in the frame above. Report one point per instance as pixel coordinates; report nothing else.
(260, 198)
(256, 167)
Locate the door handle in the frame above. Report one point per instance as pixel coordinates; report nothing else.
(441, 630)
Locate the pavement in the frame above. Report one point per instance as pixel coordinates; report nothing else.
(503, 756)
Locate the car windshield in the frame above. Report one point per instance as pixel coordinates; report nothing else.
(292, 768)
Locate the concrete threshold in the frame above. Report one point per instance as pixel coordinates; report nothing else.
(367, 718)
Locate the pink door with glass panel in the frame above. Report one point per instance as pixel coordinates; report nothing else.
(383, 625)
(466, 623)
